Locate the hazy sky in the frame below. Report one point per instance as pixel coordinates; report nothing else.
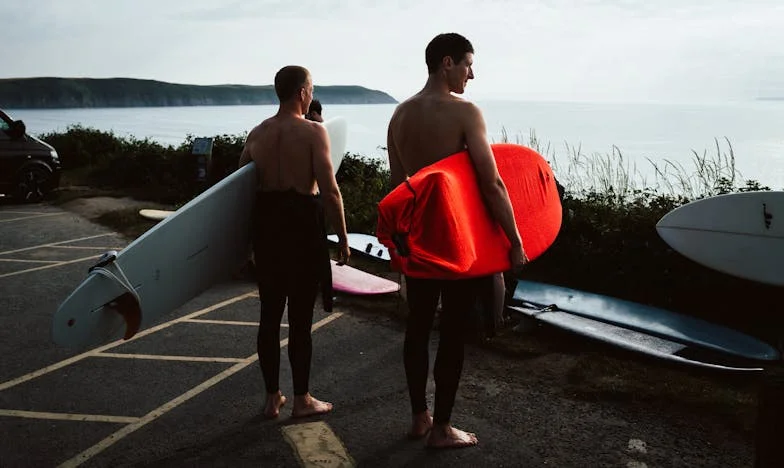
(625, 50)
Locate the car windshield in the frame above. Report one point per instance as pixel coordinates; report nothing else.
(4, 125)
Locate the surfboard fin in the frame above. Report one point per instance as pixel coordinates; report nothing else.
(128, 307)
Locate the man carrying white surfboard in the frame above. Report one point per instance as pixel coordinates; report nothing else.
(424, 129)
(296, 186)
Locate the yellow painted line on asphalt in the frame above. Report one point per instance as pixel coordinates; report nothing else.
(52, 265)
(68, 416)
(25, 260)
(21, 212)
(52, 244)
(161, 357)
(229, 322)
(316, 445)
(166, 407)
(93, 352)
(85, 247)
(46, 215)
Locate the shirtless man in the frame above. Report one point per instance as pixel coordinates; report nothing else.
(292, 157)
(427, 127)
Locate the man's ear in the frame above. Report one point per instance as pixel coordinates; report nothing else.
(447, 62)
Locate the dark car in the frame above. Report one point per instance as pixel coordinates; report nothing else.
(29, 168)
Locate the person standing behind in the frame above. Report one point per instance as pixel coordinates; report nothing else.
(424, 129)
(293, 163)
(314, 111)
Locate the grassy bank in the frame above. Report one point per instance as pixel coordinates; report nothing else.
(608, 243)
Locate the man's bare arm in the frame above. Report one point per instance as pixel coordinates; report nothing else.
(325, 178)
(396, 172)
(245, 156)
(490, 183)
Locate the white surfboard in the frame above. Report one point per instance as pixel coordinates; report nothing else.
(741, 234)
(364, 244)
(202, 243)
(155, 215)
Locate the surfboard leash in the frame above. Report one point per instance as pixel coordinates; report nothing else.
(132, 317)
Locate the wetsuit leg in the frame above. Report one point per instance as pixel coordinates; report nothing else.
(273, 302)
(422, 297)
(457, 298)
(301, 303)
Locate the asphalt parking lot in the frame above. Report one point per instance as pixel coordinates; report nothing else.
(188, 391)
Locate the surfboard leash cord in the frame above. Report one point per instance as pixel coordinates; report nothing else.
(132, 317)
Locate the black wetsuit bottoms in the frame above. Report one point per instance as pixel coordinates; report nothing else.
(292, 260)
(458, 298)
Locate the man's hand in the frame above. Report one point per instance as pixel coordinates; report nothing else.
(517, 257)
(343, 251)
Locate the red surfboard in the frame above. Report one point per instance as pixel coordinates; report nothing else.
(436, 224)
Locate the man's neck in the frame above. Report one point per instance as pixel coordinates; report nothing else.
(436, 85)
(290, 109)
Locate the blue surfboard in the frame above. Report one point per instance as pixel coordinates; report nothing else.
(641, 318)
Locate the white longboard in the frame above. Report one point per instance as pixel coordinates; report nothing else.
(741, 234)
(202, 243)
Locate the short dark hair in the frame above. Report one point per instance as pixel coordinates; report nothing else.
(446, 45)
(315, 106)
(289, 80)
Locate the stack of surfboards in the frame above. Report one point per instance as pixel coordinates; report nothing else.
(649, 330)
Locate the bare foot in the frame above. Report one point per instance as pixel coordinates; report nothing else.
(275, 402)
(445, 436)
(306, 405)
(421, 423)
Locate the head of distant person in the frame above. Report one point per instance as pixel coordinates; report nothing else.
(294, 87)
(314, 111)
(450, 57)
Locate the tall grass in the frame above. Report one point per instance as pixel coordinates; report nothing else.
(612, 174)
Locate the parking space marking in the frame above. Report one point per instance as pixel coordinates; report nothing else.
(162, 357)
(166, 407)
(53, 265)
(229, 322)
(45, 215)
(93, 352)
(52, 244)
(317, 445)
(69, 416)
(24, 260)
(21, 212)
(85, 247)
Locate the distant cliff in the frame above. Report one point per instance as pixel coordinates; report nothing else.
(41, 93)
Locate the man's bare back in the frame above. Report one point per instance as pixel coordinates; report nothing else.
(427, 128)
(283, 148)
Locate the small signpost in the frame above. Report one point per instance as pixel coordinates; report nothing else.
(202, 149)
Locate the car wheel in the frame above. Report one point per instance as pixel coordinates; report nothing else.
(33, 184)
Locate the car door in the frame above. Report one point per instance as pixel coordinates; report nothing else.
(12, 152)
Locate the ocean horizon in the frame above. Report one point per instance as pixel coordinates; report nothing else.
(644, 135)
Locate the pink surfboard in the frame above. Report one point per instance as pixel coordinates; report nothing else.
(350, 280)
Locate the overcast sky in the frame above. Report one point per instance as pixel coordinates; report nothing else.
(586, 50)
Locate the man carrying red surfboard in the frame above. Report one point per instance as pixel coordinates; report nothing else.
(424, 129)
